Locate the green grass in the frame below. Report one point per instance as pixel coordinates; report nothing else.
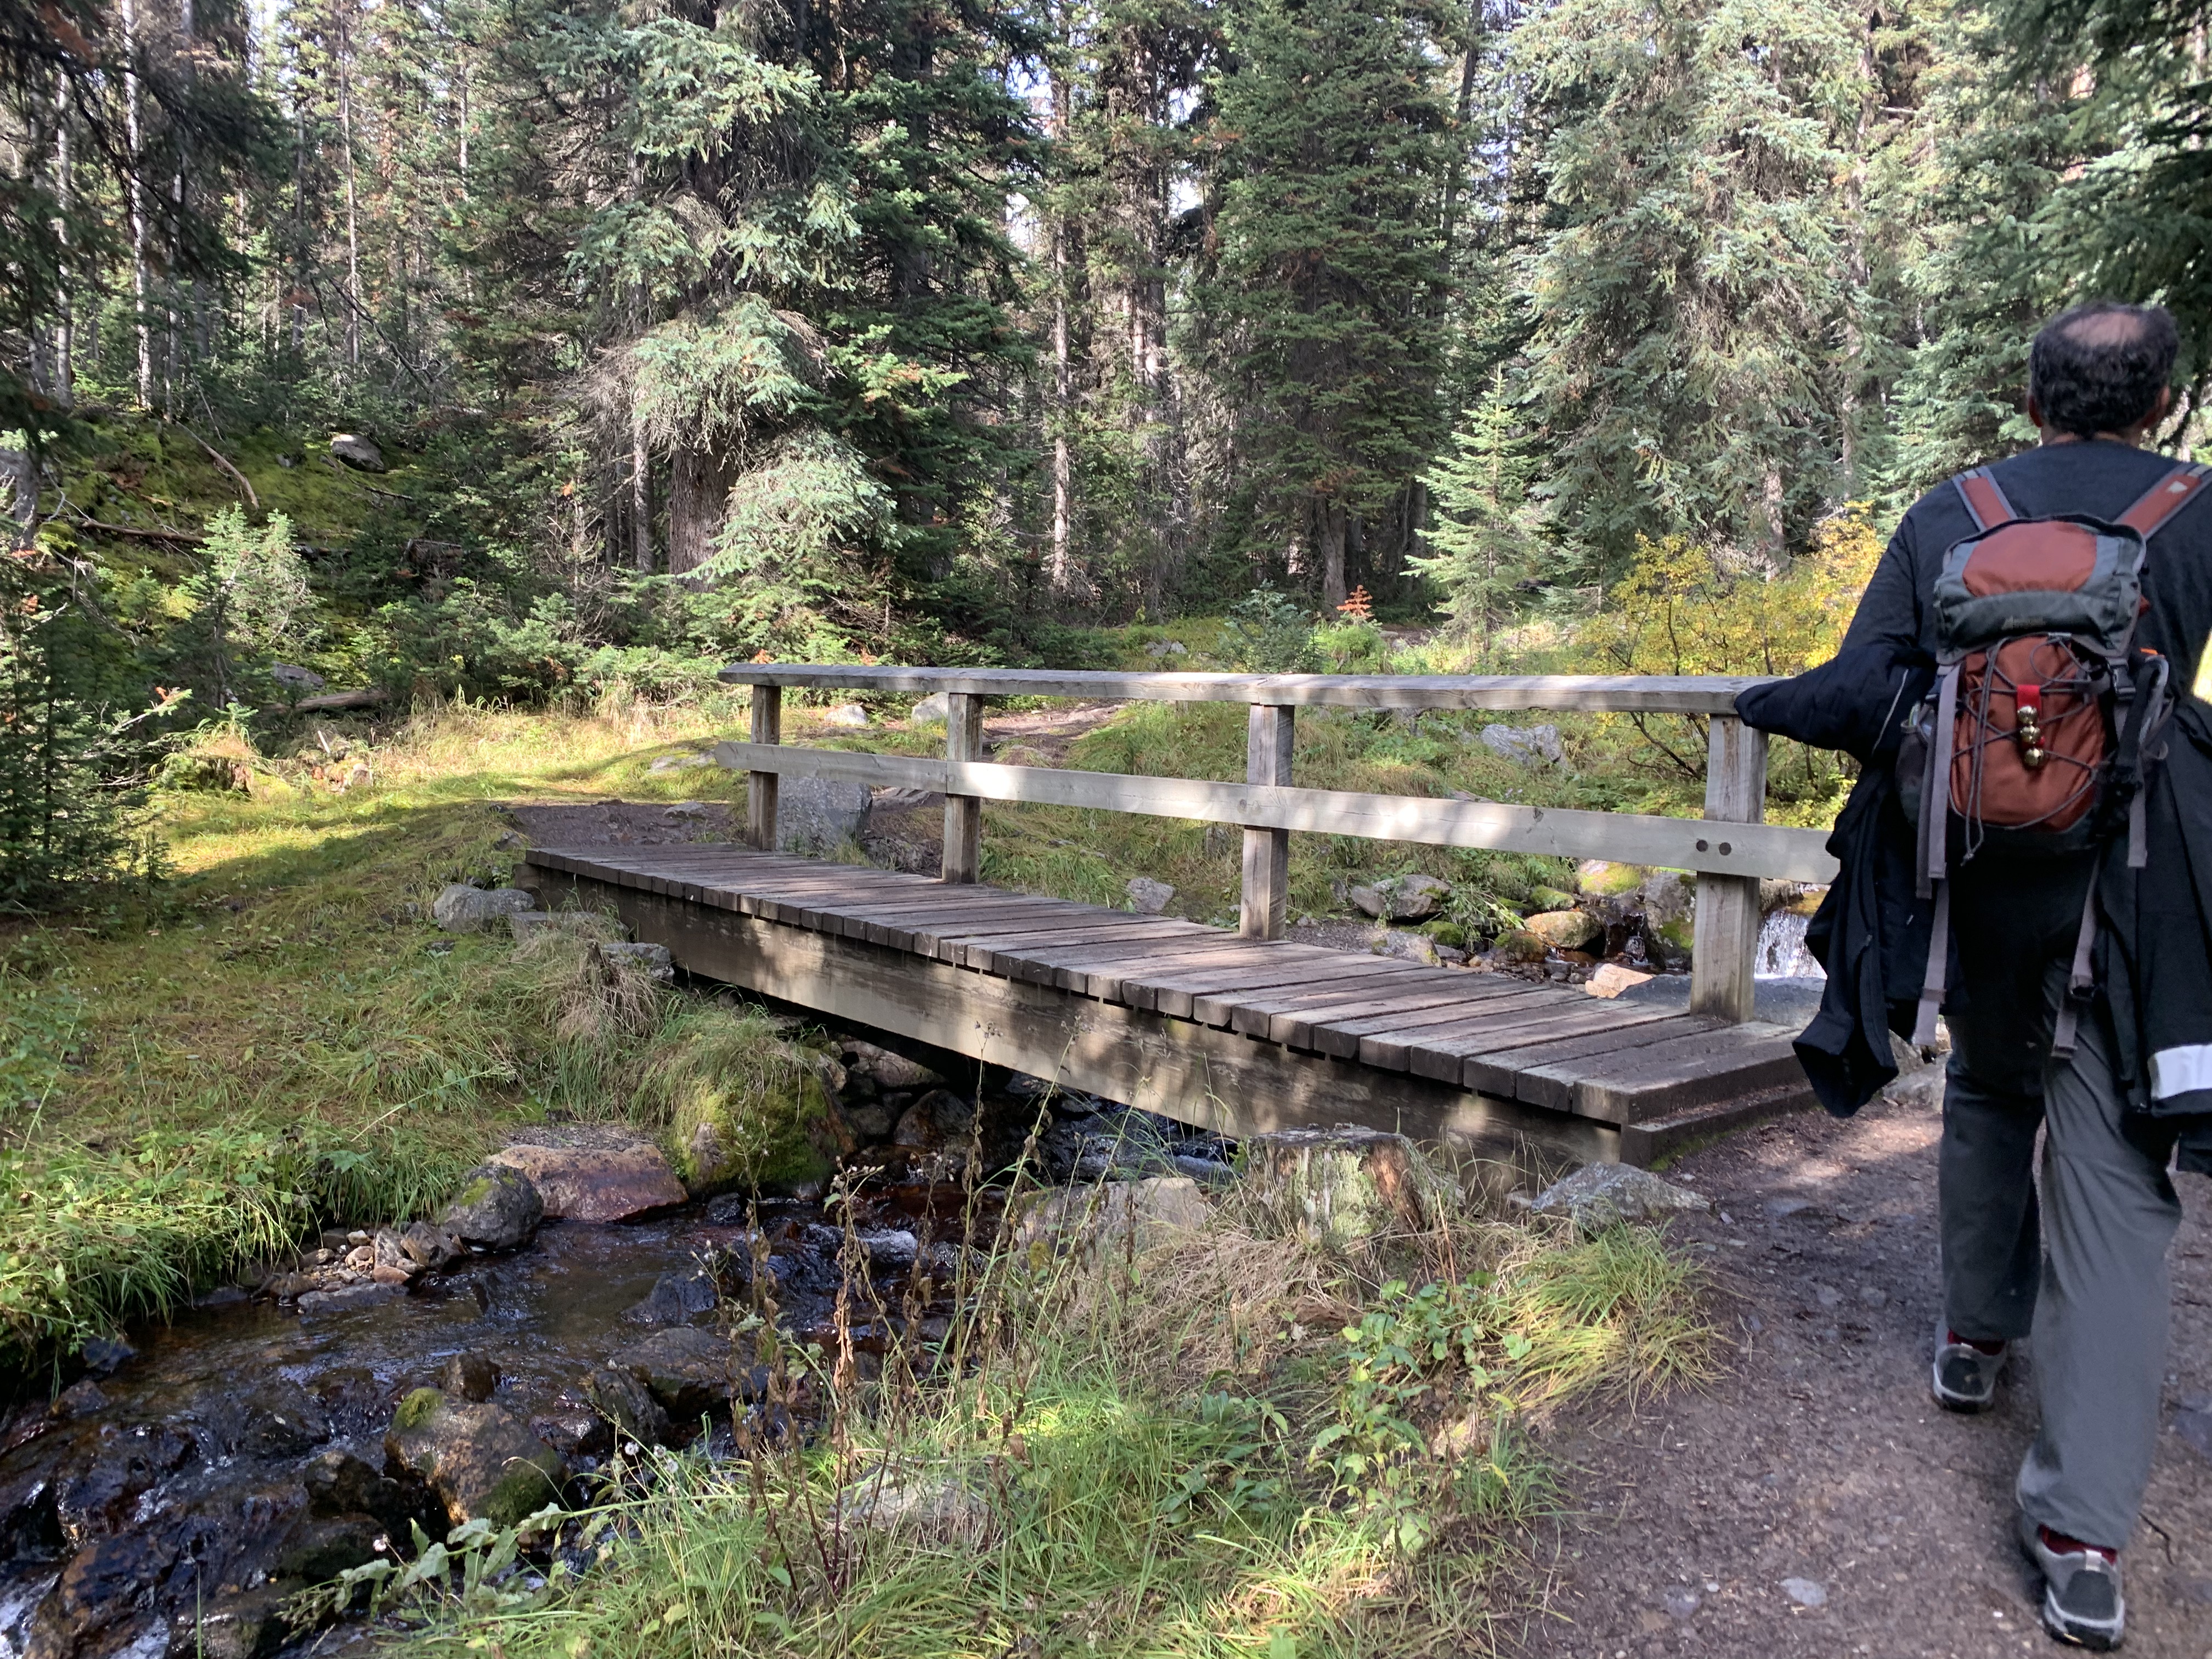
(1144, 1457)
(195, 1086)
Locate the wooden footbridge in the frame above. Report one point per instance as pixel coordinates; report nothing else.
(1241, 1032)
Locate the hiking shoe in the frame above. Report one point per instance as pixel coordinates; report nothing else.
(2081, 1601)
(1966, 1373)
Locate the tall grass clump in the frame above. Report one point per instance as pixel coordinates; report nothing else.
(1225, 1443)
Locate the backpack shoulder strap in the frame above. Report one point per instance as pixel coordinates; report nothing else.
(1985, 503)
(2165, 498)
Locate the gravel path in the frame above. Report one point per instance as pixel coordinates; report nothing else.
(1819, 1463)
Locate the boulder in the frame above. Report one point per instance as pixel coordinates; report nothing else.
(686, 1368)
(1567, 930)
(356, 451)
(935, 710)
(1148, 897)
(1525, 745)
(1519, 945)
(846, 714)
(622, 1399)
(292, 678)
(461, 908)
(470, 1376)
(654, 961)
(939, 1504)
(1155, 1210)
(1610, 979)
(1602, 1195)
(1340, 1186)
(588, 1182)
(431, 1246)
(1402, 898)
(1410, 947)
(98, 1604)
(1603, 879)
(886, 1069)
(677, 1299)
(497, 1208)
(480, 1459)
(816, 814)
(940, 1122)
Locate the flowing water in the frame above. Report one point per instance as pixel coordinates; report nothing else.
(1782, 953)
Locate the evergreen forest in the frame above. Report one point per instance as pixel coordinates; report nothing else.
(957, 330)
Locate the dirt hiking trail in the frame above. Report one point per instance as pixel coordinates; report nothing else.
(1819, 1458)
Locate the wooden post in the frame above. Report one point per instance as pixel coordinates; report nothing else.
(761, 787)
(1724, 945)
(1268, 733)
(964, 814)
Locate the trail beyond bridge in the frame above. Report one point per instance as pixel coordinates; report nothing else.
(1241, 1032)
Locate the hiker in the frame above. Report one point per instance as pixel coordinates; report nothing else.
(2010, 710)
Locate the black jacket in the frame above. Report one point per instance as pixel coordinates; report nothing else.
(2154, 949)
(1870, 933)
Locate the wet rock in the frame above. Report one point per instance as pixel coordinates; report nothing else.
(430, 1246)
(686, 1368)
(1149, 897)
(101, 1496)
(348, 1295)
(103, 1601)
(283, 1422)
(320, 1547)
(1342, 1185)
(470, 1376)
(1525, 745)
(105, 1355)
(1567, 930)
(576, 1431)
(940, 1122)
(497, 1208)
(356, 451)
(1402, 898)
(480, 1459)
(676, 1299)
(888, 1246)
(81, 1398)
(621, 1398)
(1602, 1195)
(249, 1624)
(1155, 1210)
(871, 1123)
(602, 1183)
(886, 1069)
(339, 1484)
(813, 815)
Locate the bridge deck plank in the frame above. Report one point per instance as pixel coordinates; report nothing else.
(1544, 1047)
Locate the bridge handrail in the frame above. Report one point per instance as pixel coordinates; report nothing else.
(1730, 848)
(1623, 693)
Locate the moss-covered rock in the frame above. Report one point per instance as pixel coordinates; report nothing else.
(1602, 879)
(1340, 1186)
(1567, 930)
(1520, 946)
(497, 1208)
(744, 1108)
(479, 1459)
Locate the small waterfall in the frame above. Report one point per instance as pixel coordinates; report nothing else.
(1782, 952)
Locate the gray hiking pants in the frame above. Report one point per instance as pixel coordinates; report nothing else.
(2089, 1282)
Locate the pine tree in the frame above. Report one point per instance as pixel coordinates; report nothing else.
(1334, 161)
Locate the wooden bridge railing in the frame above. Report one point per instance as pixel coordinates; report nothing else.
(1730, 848)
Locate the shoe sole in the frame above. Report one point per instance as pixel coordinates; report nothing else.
(1964, 1405)
(2055, 1621)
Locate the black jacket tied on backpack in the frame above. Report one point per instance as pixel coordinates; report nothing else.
(2155, 967)
(1871, 934)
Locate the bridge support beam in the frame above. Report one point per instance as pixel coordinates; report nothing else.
(761, 787)
(1724, 945)
(964, 814)
(1268, 742)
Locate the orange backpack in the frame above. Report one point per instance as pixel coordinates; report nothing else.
(2033, 737)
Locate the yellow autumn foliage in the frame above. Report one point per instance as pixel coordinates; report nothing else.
(1681, 610)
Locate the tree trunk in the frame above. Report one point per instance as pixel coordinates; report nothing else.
(135, 199)
(64, 364)
(1061, 571)
(641, 496)
(1328, 531)
(353, 223)
(698, 494)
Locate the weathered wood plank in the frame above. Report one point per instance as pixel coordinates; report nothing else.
(1748, 849)
(1724, 944)
(1543, 1074)
(1686, 1072)
(964, 814)
(1269, 735)
(762, 787)
(1297, 1023)
(1619, 693)
(1171, 990)
(1342, 1036)
(1434, 1050)
(1223, 1004)
(1039, 956)
(1168, 1066)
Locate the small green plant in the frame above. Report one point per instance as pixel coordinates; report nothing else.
(1269, 633)
(471, 1572)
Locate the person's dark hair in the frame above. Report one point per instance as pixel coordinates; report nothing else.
(2100, 367)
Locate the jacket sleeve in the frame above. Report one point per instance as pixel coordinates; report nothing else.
(1889, 610)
